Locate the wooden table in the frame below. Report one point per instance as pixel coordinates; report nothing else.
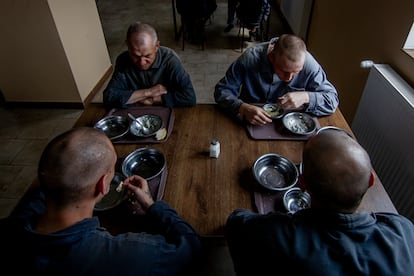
(206, 190)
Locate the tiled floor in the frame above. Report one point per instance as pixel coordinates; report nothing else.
(25, 131)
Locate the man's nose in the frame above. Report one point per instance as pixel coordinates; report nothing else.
(141, 61)
(288, 76)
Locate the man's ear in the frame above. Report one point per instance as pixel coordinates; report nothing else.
(100, 185)
(371, 179)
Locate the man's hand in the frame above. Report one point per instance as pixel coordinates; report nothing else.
(294, 100)
(152, 101)
(149, 96)
(139, 192)
(255, 115)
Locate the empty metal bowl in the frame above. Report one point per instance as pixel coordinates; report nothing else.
(275, 111)
(152, 122)
(145, 162)
(113, 126)
(113, 198)
(295, 199)
(275, 172)
(299, 123)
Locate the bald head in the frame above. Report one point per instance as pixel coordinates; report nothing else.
(142, 34)
(291, 47)
(337, 170)
(73, 162)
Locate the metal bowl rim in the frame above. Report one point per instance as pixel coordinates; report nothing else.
(291, 164)
(132, 125)
(107, 118)
(135, 152)
(297, 190)
(296, 113)
(281, 110)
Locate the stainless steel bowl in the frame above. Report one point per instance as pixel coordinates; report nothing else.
(145, 162)
(295, 199)
(113, 198)
(299, 123)
(152, 122)
(275, 111)
(275, 172)
(113, 126)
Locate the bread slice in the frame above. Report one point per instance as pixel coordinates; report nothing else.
(161, 134)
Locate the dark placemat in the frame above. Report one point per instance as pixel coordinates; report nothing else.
(166, 114)
(277, 131)
(268, 202)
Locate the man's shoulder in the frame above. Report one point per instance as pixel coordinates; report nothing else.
(168, 53)
(391, 218)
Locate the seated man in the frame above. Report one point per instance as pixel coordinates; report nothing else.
(148, 74)
(53, 232)
(331, 237)
(281, 71)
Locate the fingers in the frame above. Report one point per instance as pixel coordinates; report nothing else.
(158, 90)
(139, 191)
(258, 116)
(294, 100)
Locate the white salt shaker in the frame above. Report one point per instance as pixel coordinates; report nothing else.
(214, 148)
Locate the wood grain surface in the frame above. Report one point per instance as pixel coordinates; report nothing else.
(205, 190)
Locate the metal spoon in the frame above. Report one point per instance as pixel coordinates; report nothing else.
(145, 130)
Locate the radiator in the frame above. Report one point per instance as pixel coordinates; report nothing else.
(384, 126)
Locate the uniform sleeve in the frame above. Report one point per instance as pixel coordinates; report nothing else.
(323, 96)
(118, 92)
(180, 88)
(187, 247)
(226, 91)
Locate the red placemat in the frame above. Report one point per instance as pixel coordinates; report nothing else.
(276, 131)
(166, 114)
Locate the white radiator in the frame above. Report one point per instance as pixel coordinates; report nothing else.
(384, 126)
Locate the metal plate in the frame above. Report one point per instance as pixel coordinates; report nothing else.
(275, 111)
(299, 123)
(151, 121)
(113, 126)
(112, 198)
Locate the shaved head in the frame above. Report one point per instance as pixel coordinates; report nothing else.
(73, 162)
(141, 32)
(291, 47)
(337, 170)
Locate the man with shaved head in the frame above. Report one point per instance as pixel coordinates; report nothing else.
(53, 230)
(148, 74)
(280, 71)
(331, 237)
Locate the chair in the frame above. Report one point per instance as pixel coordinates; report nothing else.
(194, 15)
(252, 14)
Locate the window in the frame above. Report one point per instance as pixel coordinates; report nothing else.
(409, 43)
